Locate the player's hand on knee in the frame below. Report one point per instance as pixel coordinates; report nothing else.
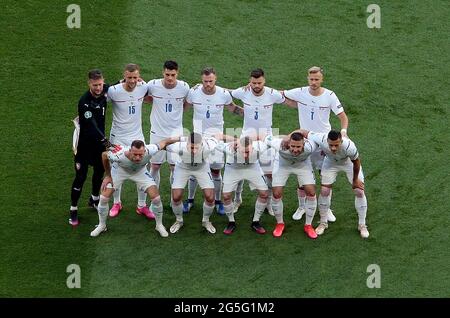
(358, 184)
(107, 180)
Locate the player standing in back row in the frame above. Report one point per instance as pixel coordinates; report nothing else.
(166, 117)
(314, 104)
(127, 99)
(258, 106)
(208, 101)
(91, 142)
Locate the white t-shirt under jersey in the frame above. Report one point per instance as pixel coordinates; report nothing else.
(118, 157)
(208, 109)
(314, 111)
(346, 151)
(166, 117)
(258, 109)
(127, 112)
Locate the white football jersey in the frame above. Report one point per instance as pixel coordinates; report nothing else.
(208, 109)
(118, 157)
(166, 117)
(258, 109)
(199, 159)
(235, 157)
(285, 155)
(314, 111)
(347, 149)
(127, 111)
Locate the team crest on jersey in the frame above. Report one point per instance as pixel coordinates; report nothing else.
(87, 115)
(78, 166)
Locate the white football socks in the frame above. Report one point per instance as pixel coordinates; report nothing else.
(361, 208)
(178, 211)
(277, 206)
(229, 212)
(301, 195)
(259, 209)
(207, 211)
(311, 206)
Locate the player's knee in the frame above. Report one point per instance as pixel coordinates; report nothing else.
(310, 191)
(263, 195)
(325, 191)
(177, 197)
(80, 178)
(209, 200)
(277, 193)
(358, 192)
(104, 199)
(227, 197)
(156, 201)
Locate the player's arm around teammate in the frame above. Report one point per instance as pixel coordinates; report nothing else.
(293, 158)
(194, 155)
(131, 165)
(341, 155)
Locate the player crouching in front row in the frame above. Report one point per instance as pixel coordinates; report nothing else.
(340, 155)
(242, 164)
(293, 158)
(193, 162)
(120, 165)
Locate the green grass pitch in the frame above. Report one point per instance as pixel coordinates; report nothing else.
(393, 82)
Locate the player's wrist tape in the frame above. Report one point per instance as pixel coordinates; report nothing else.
(343, 130)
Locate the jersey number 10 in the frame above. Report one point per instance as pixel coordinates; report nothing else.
(168, 108)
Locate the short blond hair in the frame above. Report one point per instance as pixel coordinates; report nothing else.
(315, 69)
